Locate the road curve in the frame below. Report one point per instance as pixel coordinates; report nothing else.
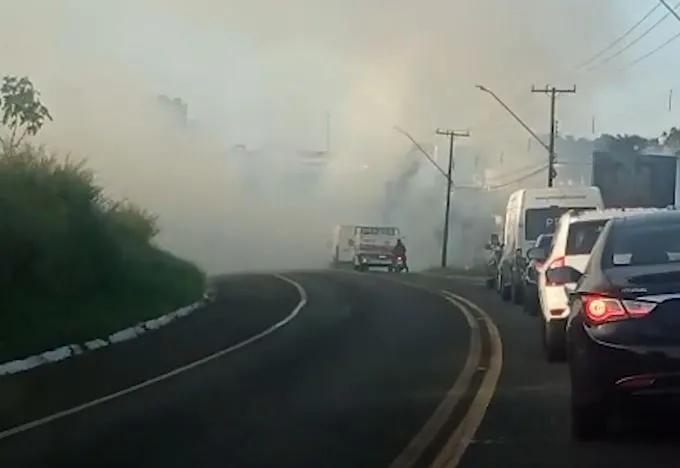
(527, 422)
(348, 382)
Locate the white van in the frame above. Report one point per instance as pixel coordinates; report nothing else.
(530, 213)
(342, 244)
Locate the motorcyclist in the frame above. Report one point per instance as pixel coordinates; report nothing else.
(399, 250)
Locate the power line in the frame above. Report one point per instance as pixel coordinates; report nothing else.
(620, 38)
(611, 57)
(670, 9)
(519, 179)
(487, 188)
(651, 52)
(599, 54)
(513, 172)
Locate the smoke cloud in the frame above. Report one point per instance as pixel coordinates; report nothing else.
(264, 74)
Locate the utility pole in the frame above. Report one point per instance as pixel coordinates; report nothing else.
(452, 134)
(553, 92)
(328, 132)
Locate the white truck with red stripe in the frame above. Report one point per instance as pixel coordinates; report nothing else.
(372, 246)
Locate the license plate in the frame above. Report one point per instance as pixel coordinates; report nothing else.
(382, 257)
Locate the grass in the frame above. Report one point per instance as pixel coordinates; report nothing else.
(74, 264)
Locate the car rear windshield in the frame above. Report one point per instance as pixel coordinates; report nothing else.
(582, 236)
(543, 220)
(643, 245)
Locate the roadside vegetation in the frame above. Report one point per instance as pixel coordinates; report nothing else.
(74, 264)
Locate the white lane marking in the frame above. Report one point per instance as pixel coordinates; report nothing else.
(414, 450)
(461, 438)
(147, 383)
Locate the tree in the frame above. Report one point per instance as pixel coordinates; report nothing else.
(624, 143)
(671, 138)
(23, 114)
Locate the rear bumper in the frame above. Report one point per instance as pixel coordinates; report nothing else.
(375, 260)
(639, 375)
(555, 303)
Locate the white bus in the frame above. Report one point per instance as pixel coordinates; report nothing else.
(530, 213)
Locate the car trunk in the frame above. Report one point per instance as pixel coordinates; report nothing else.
(659, 284)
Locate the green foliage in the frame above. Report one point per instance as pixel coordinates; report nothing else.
(74, 264)
(671, 137)
(22, 112)
(626, 143)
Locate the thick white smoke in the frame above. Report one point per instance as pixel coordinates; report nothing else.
(264, 74)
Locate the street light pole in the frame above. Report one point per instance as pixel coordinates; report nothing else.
(514, 115)
(452, 134)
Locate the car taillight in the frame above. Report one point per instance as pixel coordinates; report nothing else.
(557, 263)
(601, 309)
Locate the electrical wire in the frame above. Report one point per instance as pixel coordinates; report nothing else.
(651, 52)
(611, 57)
(620, 38)
(490, 188)
(599, 54)
(519, 179)
(514, 172)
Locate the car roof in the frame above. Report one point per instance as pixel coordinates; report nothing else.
(574, 216)
(659, 216)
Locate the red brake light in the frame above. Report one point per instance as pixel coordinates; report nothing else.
(601, 309)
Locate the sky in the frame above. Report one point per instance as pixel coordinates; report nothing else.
(640, 104)
(223, 57)
(265, 74)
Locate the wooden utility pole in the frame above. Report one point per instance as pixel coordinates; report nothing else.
(553, 92)
(452, 134)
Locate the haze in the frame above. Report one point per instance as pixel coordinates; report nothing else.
(264, 74)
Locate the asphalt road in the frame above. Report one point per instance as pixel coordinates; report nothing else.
(369, 373)
(347, 383)
(527, 422)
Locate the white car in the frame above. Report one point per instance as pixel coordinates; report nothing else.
(574, 238)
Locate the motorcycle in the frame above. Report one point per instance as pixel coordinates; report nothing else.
(397, 265)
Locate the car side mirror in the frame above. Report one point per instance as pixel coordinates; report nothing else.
(536, 253)
(562, 275)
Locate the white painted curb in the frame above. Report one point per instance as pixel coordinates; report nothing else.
(68, 351)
